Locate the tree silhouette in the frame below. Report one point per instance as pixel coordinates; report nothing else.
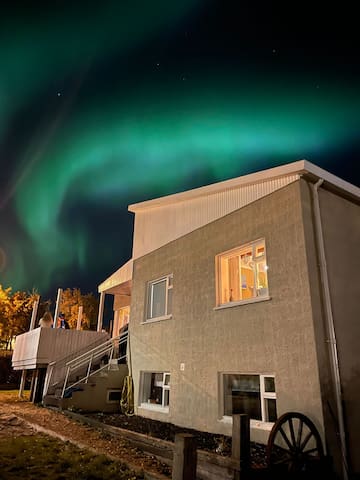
(15, 313)
(71, 299)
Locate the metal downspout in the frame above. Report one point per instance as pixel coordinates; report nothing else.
(330, 325)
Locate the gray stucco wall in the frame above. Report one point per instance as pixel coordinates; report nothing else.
(269, 337)
(340, 221)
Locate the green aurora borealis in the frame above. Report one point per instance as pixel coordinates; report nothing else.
(97, 111)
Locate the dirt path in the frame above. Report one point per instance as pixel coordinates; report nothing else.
(20, 417)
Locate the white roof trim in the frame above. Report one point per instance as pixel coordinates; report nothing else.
(122, 275)
(332, 179)
(300, 167)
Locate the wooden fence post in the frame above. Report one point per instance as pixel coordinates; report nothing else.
(185, 457)
(241, 440)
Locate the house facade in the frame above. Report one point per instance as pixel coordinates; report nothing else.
(243, 297)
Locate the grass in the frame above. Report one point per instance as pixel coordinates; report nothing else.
(37, 457)
(13, 396)
(41, 456)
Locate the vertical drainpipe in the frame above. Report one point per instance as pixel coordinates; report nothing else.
(330, 325)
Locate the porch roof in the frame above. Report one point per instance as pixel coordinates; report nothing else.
(120, 281)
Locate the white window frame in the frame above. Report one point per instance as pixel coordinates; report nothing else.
(220, 265)
(165, 385)
(149, 293)
(264, 395)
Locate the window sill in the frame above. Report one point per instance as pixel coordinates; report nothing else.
(154, 407)
(242, 302)
(157, 319)
(259, 424)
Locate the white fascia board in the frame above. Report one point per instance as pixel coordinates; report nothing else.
(122, 275)
(331, 179)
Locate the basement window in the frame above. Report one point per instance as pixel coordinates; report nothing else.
(155, 390)
(113, 396)
(254, 395)
(159, 298)
(241, 274)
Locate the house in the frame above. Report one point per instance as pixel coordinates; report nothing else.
(243, 297)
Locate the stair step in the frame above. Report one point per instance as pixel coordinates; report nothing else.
(52, 401)
(57, 393)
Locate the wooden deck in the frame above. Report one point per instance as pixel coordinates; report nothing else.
(39, 347)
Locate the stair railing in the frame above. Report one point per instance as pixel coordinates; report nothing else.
(89, 360)
(56, 369)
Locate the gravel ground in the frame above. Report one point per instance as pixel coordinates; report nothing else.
(19, 417)
(219, 444)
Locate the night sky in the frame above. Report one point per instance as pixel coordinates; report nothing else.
(103, 104)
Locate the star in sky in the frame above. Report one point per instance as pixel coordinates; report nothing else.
(160, 97)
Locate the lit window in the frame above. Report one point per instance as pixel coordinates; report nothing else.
(242, 273)
(155, 392)
(159, 298)
(251, 394)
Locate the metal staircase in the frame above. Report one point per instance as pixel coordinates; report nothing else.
(66, 374)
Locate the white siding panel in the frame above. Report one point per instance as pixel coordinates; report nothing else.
(157, 226)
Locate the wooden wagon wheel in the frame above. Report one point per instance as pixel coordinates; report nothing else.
(294, 445)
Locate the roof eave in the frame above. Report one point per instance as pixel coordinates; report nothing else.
(300, 167)
(251, 178)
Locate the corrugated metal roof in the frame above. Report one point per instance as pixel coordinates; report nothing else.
(162, 220)
(155, 227)
(300, 167)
